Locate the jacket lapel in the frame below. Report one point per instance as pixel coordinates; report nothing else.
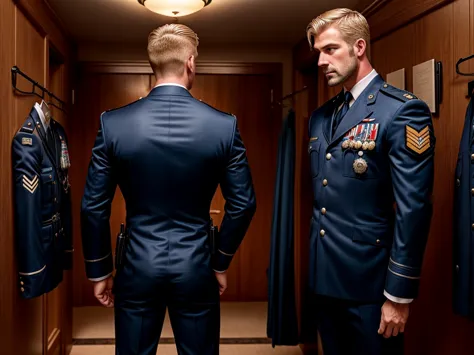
(42, 135)
(328, 116)
(362, 108)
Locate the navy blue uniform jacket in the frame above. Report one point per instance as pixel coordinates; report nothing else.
(167, 152)
(381, 156)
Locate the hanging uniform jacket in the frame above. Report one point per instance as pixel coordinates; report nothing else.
(42, 206)
(463, 221)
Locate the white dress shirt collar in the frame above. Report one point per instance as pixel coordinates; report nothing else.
(170, 84)
(41, 115)
(362, 84)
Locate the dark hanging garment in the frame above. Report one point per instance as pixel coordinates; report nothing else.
(282, 325)
(463, 219)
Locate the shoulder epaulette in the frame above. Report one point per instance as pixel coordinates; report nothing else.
(397, 93)
(226, 113)
(28, 126)
(118, 108)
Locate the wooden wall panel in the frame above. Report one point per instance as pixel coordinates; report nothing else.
(8, 278)
(28, 40)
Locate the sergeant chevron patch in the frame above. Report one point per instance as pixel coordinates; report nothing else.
(30, 185)
(418, 142)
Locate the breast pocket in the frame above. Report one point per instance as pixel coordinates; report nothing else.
(369, 165)
(47, 186)
(313, 150)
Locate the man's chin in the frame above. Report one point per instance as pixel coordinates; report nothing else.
(334, 81)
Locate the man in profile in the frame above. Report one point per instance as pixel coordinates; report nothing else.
(370, 146)
(167, 152)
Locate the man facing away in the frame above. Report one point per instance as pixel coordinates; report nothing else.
(370, 147)
(167, 152)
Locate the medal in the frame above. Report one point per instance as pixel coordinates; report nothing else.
(65, 162)
(346, 144)
(371, 145)
(358, 145)
(360, 166)
(365, 145)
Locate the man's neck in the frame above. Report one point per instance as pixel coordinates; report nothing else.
(363, 70)
(171, 80)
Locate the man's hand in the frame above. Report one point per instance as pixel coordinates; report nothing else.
(222, 280)
(394, 318)
(103, 291)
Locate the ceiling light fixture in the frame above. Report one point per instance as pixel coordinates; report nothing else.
(175, 8)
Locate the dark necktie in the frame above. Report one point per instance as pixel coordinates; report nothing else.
(342, 112)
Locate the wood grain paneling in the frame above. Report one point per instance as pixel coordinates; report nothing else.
(394, 14)
(28, 40)
(41, 15)
(8, 121)
(248, 97)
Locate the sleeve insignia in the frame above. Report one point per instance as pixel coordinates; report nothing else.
(26, 141)
(418, 142)
(30, 185)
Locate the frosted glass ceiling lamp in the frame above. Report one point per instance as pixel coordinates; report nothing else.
(174, 8)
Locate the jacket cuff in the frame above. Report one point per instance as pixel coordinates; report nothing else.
(402, 280)
(31, 284)
(100, 267)
(221, 261)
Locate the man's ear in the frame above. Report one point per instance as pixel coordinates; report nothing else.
(360, 47)
(191, 64)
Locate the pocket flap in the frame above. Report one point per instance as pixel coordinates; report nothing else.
(314, 146)
(378, 235)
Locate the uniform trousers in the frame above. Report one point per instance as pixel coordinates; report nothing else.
(192, 300)
(351, 328)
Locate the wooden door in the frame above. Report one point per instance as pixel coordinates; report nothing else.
(246, 96)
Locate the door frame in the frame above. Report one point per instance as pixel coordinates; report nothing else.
(274, 70)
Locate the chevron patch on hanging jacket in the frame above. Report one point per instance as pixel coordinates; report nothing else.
(30, 185)
(418, 141)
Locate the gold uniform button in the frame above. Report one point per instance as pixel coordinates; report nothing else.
(385, 86)
(328, 156)
(472, 226)
(371, 97)
(322, 232)
(472, 191)
(378, 241)
(22, 289)
(22, 283)
(323, 210)
(458, 182)
(325, 182)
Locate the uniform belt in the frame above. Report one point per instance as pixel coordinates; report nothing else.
(52, 220)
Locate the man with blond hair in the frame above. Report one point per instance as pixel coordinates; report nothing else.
(371, 147)
(167, 152)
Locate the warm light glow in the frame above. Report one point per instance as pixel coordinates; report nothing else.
(174, 8)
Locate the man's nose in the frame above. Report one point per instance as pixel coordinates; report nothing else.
(322, 61)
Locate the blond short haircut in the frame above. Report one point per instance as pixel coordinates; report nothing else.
(169, 47)
(352, 25)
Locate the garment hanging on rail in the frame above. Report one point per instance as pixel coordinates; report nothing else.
(282, 325)
(42, 203)
(463, 221)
